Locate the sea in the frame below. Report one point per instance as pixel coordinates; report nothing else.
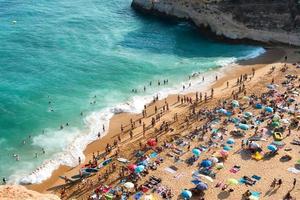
(67, 66)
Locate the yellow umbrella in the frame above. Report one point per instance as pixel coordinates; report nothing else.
(232, 181)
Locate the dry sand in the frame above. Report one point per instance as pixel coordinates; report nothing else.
(266, 169)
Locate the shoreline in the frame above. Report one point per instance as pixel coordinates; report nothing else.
(270, 56)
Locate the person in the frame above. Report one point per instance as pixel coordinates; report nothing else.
(4, 180)
(294, 183)
(279, 183)
(79, 160)
(227, 83)
(273, 184)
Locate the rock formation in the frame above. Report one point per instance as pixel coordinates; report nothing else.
(268, 21)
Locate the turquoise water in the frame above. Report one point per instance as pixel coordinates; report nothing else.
(55, 56)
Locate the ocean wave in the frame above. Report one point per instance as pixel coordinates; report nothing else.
(74, 141)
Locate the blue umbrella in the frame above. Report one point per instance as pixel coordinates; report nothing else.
(272, 147)
(139, 169)
(186, 194)
(202, 186)
(206, 163)
(196, 152)
(227, 148)
(230, 141)
(258, 106)
(243, 126)
(269, 109)
(222, 110)
(196, 182)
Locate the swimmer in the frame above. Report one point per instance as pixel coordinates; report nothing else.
(17, 157)
(67, 124)
(81, 113)
(61, 127)
(36, 155)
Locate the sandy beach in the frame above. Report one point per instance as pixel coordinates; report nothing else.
(266, 169)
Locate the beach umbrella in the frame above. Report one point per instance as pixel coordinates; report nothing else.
(272, 147)
(258, 106)
(206, 177)
(152, 142)
(246, 98)
(243, 126)
(235, 103)
(201, 186)
(254, 145)
(230, 141)
(285, 121)
(248, 114)
(276, 117)
(206, 163)
(269, 109)
(227, 148)
(214, 159)
(128, 185)
(224, 153)
(186, 194)
(139, 169)
(148, 197)
(222, 110)
(196, 152)
(271, 87)
(275, 124)
(232, 181)
(219, 166)
(131, 167)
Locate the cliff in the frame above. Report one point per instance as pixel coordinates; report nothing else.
(268, 21)
(10, 192)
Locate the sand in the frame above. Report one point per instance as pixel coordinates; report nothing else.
(273, 57)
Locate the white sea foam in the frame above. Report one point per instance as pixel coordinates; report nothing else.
(73, 141)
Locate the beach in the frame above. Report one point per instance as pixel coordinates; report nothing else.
(257, 84)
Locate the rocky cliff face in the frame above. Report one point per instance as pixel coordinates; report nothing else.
(268, 21)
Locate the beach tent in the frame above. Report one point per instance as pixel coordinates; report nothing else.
(186, 194)
(230, 141)
(254, 145)
(152, 142)
(196, 152)
(128, 185)
(219, 166)
(201, 186)
(206, 163)
(243, 126)
(269, 109)
(272, 147)
(206, 177)
(139, 169)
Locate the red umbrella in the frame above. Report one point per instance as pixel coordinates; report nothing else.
(152, 142)
(131, 167)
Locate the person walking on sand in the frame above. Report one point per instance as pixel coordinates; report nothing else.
(294, 183)
(227, 83)
(273, 184)
(279, 183)
(4, 181)
(79, 160)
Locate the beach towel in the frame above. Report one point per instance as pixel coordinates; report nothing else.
(168, 169)
(153, 155)
(234, 170)
(242, 180)
(256, 177)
